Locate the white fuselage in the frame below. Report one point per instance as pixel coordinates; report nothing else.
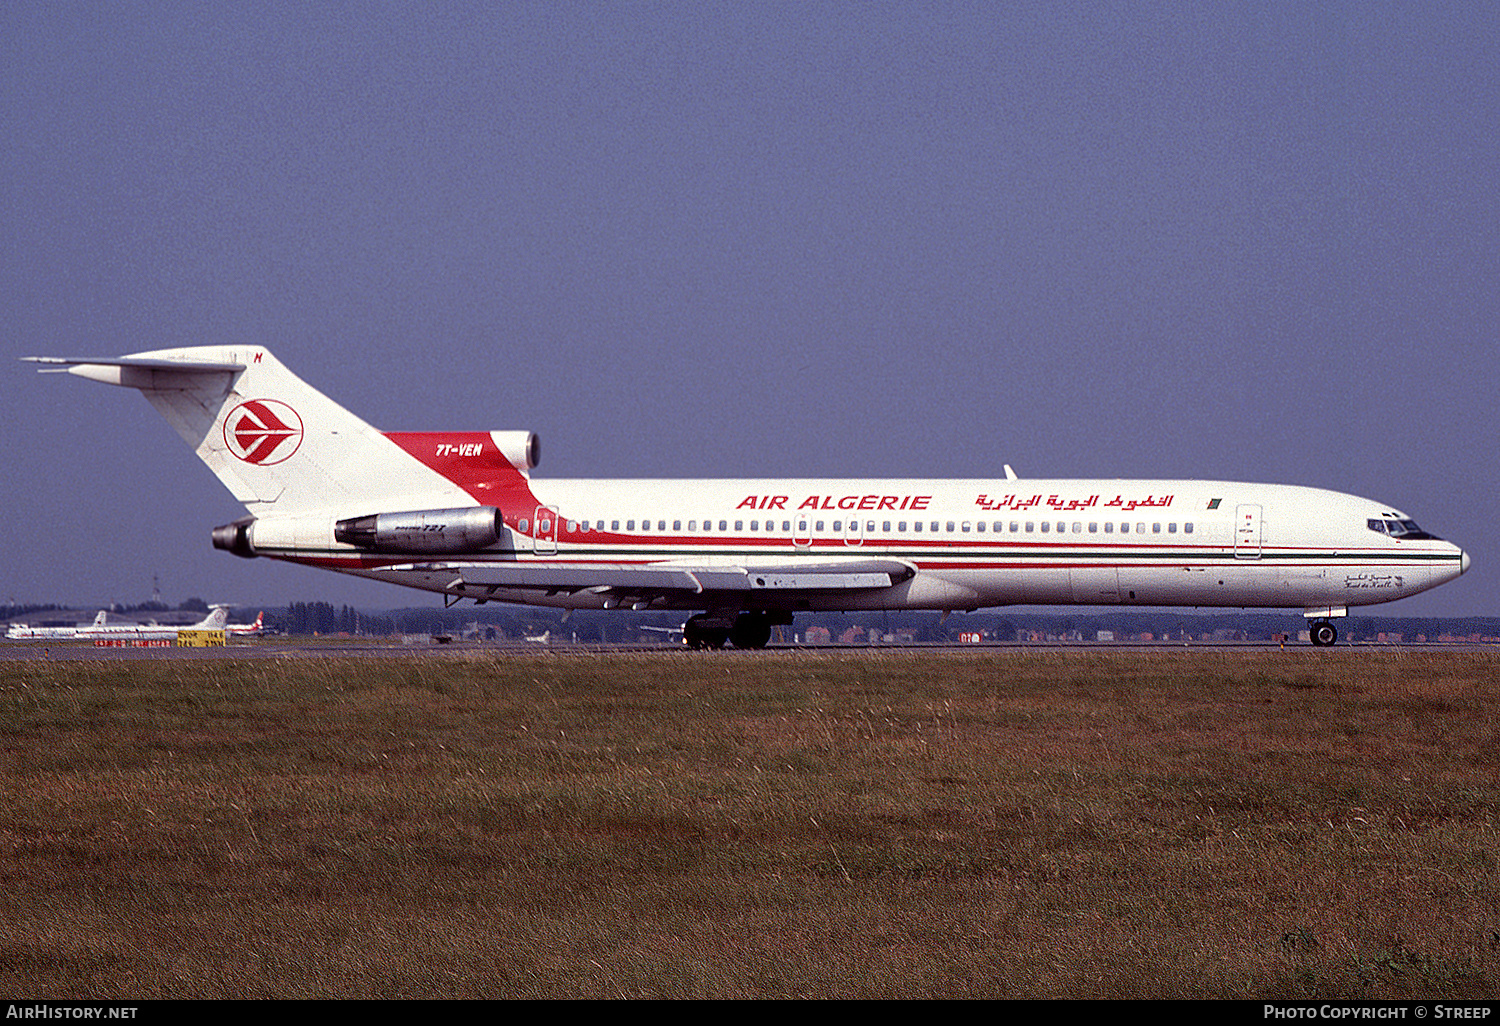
(985, 543)
(22, 632)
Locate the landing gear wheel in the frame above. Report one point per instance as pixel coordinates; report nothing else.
(1322, 633)
(751, 630)
(695, 634)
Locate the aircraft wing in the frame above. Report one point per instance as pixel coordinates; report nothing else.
(634, 580)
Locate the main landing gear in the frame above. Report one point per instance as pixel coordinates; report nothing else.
(702, 632)
(749, 630)
(1322, 633)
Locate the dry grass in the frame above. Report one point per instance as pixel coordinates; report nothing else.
(1269, 825)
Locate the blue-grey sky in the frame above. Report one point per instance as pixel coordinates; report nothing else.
(1245, 241)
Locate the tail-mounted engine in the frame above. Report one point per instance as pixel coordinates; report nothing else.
(425, 532)
(419, 533)
(235, 537)
(522, 448)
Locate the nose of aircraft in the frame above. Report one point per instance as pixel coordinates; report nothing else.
(1463, 561)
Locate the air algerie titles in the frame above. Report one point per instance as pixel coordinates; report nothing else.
(842, 502)
(900, 502)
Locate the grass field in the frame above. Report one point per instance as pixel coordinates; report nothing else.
(831, 824)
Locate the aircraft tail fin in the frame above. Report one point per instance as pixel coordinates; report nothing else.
(279, 445)
(217, 617)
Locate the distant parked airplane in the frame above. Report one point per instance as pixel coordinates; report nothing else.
(26, 632)
(247, 630)
(102, 628)
(457, 513)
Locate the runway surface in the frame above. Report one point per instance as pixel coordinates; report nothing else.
(292, 649)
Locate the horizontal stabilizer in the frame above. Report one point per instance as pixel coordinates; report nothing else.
(186, 366)
(146, 373)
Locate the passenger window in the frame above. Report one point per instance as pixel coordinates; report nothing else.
(966, 526)
(1093, 527)
(1029, 525)
(818, 526)
(1172, 528)
(692, 525)
(886, 527)
(979, 527)
(755, 525)
(1015, 527)
(723, 525)
(838, 525)
(917, 527)
(1109, 527)
(1140, 528)
(1077, 527)
(676, 525)
(525, 524)
(614, 525)
(739, 525)
(1187, 528)
(630, 525)
(901, 527)
(1046, 526)
(1156, 529)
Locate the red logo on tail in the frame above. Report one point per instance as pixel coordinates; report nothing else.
(263, 431)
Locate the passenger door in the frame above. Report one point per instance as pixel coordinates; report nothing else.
(1247, 534)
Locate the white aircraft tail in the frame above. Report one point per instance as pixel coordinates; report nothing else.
(278, 444)
(214, 621)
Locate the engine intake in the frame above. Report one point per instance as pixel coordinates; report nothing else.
(425, 532)
(522, 448)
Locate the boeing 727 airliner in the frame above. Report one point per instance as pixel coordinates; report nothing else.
(458, 513)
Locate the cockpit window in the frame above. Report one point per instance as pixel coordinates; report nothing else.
(1398, 528)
